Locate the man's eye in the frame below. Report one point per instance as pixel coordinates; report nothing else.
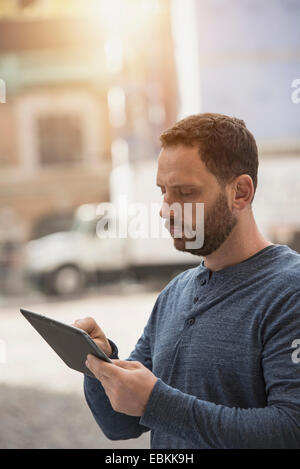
(186, 193)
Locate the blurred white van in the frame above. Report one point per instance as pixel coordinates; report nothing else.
(64, 263)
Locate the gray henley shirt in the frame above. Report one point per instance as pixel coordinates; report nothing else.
(226, 350)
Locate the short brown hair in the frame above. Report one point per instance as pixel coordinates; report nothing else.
(225, 144)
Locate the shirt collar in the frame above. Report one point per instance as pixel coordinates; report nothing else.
(254, 262)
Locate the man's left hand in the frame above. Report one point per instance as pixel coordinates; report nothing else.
(127, 384)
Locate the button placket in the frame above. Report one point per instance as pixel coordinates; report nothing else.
(203, 282)
(187, 333)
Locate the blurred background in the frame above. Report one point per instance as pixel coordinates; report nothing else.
(86, 89)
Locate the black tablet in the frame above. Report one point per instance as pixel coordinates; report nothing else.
(70, 343)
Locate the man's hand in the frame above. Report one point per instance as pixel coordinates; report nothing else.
(90, 326)
(127, 384)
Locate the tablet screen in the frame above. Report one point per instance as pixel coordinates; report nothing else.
(70, 343)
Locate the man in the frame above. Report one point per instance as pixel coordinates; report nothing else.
(217, 365)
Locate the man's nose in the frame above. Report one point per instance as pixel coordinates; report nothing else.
(166, 212)
(165, 208)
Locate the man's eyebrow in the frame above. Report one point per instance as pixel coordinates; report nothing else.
(181, 185)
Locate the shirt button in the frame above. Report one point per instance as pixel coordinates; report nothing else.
(191, 321)
(203, 282)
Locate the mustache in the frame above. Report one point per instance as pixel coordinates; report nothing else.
(175, 226)
(180, 230)
(171, 224)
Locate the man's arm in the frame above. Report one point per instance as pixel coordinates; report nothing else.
(116, 425)
(276, 426)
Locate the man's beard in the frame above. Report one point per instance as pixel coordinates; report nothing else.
(219, 222)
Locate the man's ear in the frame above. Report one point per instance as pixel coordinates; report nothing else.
(243, 192)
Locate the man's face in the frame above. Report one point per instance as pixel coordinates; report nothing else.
(184, 178)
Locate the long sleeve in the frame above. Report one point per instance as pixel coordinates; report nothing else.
(207, 424)
(115, 425)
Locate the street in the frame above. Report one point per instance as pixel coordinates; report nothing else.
(41, 400)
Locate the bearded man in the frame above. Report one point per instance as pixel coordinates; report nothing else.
(218, 363)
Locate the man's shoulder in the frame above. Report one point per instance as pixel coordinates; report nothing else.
(287, 274)
(282, 287)
(180, 282)
(183, 277)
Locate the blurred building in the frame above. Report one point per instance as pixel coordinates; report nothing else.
(75, 90)
(89, 85)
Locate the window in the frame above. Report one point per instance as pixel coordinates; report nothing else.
(60, 139)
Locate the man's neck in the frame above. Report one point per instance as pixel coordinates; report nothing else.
(243, 242)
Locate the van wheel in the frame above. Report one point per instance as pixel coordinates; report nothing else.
(67, 280)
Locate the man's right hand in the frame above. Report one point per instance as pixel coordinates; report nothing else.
(90, 326)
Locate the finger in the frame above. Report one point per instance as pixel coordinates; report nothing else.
(102, 368)
(95, 370)
(127, 364)
(89, 325)
(74, 324)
